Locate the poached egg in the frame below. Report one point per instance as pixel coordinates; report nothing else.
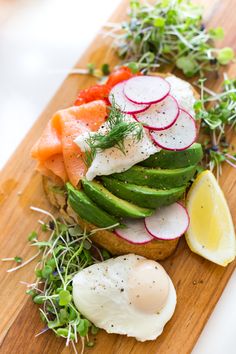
(113, 160)
(127, 295)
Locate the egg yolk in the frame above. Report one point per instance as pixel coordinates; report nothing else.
(148, 286)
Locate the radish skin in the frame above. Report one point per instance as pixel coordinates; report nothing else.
(125, 105)
(135, 232)
(180, 136)
(146, 89)
(161, 115)
(168, 222)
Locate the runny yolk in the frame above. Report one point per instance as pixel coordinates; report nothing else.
(148, 286)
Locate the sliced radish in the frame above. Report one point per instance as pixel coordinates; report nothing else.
(125, 105)
(161, 115)
(135, 232)
(146, 89)
(168, 223)
(179, 136)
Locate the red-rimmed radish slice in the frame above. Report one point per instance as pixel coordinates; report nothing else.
(179, 136)
(168, 222)
(135, 232)
(146, 89)
(125, 105)
(161, 115)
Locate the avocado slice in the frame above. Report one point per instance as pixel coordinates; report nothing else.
(111, 203)
(141, 195)
(175, 159)
(156, 178)
(87, 209)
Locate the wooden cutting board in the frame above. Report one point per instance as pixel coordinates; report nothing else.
(199, 283)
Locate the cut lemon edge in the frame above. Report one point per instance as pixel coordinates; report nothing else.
(211, 230)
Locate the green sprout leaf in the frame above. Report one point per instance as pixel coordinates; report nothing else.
(46, 271)
(159, 22)
(217, 33)
(64, 298)
(105, 69)
(188, 65)
(44, 227)
(32, 236)
(91, 68)
(225, 55)
(133, 67)
(83, 327)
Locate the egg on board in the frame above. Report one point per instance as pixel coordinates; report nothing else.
(127, 295)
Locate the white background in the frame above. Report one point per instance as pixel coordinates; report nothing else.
(40, 40)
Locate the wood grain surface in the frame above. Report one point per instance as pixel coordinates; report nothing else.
(199, 283)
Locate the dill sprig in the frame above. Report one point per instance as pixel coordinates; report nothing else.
(67, 251)
(217, 112)
(116, 130)
(169, 32)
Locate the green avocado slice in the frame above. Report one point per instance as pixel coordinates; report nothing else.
(111, 203)
(175, 159)
(141, 195)
(156, 178)
(88, 210)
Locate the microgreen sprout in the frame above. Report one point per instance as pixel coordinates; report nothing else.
(169, 32)
(67, 250)
(17, 259)
(99, 73)
(217, 112)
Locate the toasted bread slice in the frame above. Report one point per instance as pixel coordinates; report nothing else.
(156, 249)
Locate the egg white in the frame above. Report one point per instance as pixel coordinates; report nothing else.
(100, 293)
(182, 91)
(113, 160)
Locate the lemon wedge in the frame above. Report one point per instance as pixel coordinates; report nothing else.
(211, 230)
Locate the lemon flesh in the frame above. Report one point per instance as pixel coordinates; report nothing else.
(211, 230)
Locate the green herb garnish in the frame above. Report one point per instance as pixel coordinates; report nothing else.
(105, 69)
(32, 236)
(169, 32)
(217, 112)
(91, 68)
(117, 129)
(67, 251)
(17, 259)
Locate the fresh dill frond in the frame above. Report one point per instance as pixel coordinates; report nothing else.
(116, 130)
(169, 32)
(217, 112)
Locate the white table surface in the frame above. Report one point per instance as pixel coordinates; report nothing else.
(40, 40)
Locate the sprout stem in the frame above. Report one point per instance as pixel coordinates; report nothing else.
(23, 264)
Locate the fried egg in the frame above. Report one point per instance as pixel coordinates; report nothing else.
(127, 295)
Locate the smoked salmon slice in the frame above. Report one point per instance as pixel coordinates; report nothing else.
(69, 124)
(56, 165)
(92, 114)
(56, 151)
(49, 144)
(74, 163)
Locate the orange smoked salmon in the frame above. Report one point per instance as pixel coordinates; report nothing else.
(56, 165)
(49, 144)
(60, 154)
